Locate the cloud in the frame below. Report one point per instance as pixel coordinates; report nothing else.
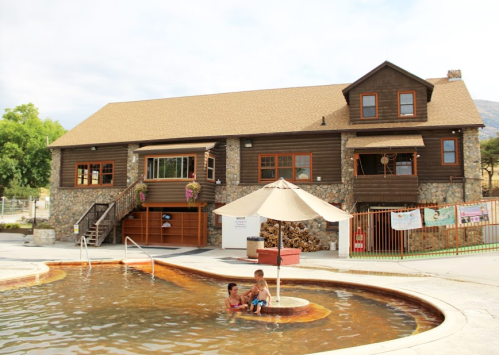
(71, 58)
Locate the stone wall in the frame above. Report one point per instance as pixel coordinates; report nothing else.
(442, 238)
(441, 193)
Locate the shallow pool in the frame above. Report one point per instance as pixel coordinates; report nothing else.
(121, 310)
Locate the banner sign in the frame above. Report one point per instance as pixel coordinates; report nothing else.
(473, 213)
(402, 221)
(441, 217)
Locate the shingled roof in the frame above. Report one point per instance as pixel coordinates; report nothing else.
(277, 111)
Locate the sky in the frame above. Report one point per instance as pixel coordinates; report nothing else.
(71, 58)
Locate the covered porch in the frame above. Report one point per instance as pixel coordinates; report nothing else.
(385, 168)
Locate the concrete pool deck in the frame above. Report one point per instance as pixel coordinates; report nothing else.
(465, 288)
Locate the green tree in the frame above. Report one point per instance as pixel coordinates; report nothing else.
(24, 157)
(489, 149)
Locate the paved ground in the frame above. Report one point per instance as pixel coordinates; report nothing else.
(465, 288)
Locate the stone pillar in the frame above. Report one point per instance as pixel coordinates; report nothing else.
(347, 171)
(55, 180)
(233, 168)
(472, 164)
(132, 165)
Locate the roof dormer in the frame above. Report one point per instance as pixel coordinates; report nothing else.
(388, 93)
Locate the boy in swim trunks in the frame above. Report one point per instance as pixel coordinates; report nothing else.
(263, 297)
(250, 295)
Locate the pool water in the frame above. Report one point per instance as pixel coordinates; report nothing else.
(117, 309)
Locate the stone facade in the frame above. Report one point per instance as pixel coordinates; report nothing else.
(334, 193)
(69, 204)
(472, 164)
(132, 168)
(443, 238)
(441, 193)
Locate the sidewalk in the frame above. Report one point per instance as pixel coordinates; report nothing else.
(465, 288)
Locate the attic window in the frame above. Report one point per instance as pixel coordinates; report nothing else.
(406, 103)
(369, 105)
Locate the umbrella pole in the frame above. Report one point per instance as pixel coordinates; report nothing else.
(278, 296)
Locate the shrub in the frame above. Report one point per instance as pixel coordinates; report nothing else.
(44, 225)
(9, 226)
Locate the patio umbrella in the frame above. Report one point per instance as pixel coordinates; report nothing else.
(282, 201)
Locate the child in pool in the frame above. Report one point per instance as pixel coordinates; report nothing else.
(251, 294)
(262, 299)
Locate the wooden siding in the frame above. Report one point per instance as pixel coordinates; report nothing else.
(325, 149)
(174, 191)
(430, 168)
(386, 84)
(392, 188)
(220, 153)
(116, 154)
(429, 164)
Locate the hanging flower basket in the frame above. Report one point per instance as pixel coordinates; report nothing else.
(141, 193)
(192, 192)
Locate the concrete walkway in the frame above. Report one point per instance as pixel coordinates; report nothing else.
(465, 288)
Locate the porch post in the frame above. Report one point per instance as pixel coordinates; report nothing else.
(147, 225)
(199, 226)
(344, 239)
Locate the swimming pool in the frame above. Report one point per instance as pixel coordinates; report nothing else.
(121, 310)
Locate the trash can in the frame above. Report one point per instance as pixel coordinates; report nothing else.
(254, 243)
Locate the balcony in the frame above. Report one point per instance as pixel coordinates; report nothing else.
(389, 188)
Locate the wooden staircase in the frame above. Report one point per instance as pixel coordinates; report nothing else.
(101, 218)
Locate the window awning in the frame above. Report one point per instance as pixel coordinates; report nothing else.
(376, 142)
(175, 148)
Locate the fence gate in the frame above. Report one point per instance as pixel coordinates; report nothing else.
(427, 230)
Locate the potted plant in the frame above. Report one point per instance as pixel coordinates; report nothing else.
(192, 192)
(43, 233)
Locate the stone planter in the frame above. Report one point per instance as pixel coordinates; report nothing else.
(43, 236)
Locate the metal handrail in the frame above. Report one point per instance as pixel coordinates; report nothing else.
(86, 248)
(126, 248)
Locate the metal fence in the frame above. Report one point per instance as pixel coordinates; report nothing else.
(18, 208)
(425, 231)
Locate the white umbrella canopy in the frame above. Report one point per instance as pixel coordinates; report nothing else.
(282, 201)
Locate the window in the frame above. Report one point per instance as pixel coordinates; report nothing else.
(369, 105)
(94, 174)
(218, 218)
(291, 167)
(333, 225)
(210, 169)
(449, 151)
(403, 164)
(170, 168)
(406, 103)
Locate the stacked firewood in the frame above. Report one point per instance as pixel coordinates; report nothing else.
(294, 235)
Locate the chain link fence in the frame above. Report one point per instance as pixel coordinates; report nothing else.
(13, 210)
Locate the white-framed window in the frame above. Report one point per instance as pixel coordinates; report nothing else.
(170, 167)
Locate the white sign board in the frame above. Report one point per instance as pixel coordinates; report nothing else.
(236, 230)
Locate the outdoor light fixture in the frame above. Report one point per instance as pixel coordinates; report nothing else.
(93, 148)
(248, 143)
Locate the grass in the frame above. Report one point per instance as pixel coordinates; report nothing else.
(422, 255)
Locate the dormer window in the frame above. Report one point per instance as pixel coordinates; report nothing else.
(406, 103)
(369, 105)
